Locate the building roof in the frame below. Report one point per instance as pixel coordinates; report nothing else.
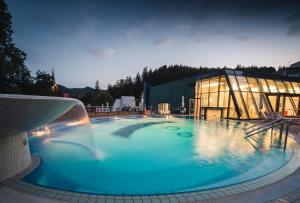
(229, 71)
(295, 65)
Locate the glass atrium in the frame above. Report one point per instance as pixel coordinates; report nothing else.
(234, 95)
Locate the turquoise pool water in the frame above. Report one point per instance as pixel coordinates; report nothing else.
(136, 155)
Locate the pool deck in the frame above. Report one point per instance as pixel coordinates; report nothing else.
(281, 186)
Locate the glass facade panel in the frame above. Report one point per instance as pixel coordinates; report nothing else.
(272, 85)
(250, 105)
(253, 85)
(289, 109)
(204, 99)
(164, 108)
(289, 87)
(264, 85)
(281, 104)
(233, 82)
(231, 109)
(296, 102)
(296, 87)
(213, 99)
(198, 89)
(272, 100)
(260, 102)
(197, 107)
(214, 85)
(280, 86)
(240, 104)
(223, 99)
(223, 84)
(205, 86)
(243, 83)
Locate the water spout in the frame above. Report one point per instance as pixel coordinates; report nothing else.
(97, 153)
(78, 117)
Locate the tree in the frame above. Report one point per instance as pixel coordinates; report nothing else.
(138, 85)
(43, 84)
(97, 98)
(14, 75)
(97, 86)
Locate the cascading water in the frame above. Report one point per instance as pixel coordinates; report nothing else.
(78, 118)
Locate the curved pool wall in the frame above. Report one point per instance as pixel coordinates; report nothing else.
(18, 115)
(180, 155)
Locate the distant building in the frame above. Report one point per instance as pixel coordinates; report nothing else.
(293, 70)
(124, 102)
(167, 97)
(295, 65)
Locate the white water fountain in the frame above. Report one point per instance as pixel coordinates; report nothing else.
(78, 117)
(18, 115)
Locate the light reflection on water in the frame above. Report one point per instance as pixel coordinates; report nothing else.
(213, 141)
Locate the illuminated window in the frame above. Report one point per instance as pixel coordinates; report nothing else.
(223, 99)
(296, 87)
(205, 86)
(243, 83)
(250, 105)
(272, 100)
(289, 87)
(233, 82)
(204, 99)
(213, 99)
(240, 105)
(164, 108)
(223, 84)
(289, 109)
(232, 113)
(253, 85)
(272, 85)
(264, 85)
(281, 87)
(198, 89)
(214, 85)
(296, 102)
(260, 102)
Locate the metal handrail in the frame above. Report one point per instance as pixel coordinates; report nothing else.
(275, 121)
(255, 124)
(264, 129)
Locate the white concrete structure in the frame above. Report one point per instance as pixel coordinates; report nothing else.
(124, 101)
(18, 115)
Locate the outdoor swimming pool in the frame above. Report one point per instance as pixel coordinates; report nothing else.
(153, 155)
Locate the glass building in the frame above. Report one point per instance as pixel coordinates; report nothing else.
(236, 95)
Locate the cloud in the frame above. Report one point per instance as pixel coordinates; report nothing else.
(164, 41)
(130, 36)
(242, 38)
(245, 37)
(102, 53)
(294, 30)
(294, 24)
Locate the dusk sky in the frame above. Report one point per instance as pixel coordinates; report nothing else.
(107, 40)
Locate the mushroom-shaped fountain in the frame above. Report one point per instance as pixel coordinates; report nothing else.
(18, 115)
